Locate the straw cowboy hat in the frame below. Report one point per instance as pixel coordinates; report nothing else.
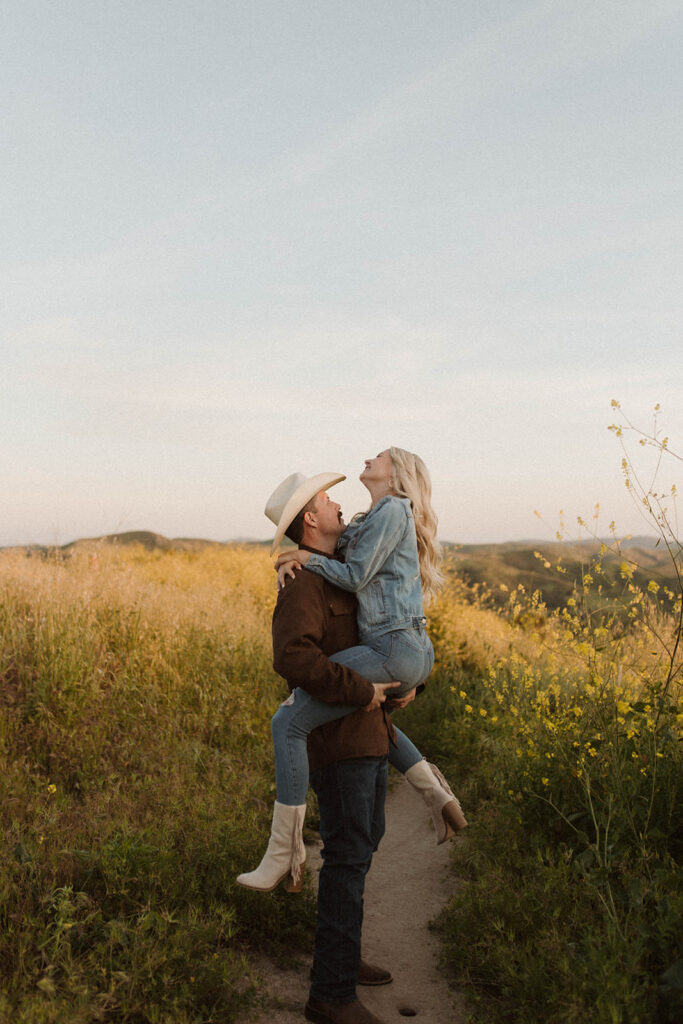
(287, 500)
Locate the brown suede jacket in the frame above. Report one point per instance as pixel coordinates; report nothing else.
(312, 620)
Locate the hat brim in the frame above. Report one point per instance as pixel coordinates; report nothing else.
(302, 495)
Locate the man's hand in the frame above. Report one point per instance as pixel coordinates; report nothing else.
(380, 695)
(404, 701)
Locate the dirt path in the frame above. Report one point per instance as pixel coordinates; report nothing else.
(407, 886)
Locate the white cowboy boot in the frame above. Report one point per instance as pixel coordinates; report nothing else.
(285, 856)
(437, 794)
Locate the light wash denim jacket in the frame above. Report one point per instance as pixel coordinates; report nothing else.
(381, 567)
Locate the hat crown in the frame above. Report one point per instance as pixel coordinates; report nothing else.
(275, 505)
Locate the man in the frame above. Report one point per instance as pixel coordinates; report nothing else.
(348, 757)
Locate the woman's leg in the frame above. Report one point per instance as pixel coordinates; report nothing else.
(301, 713)
(290, 726)
(408, 655)
(394, 657)
(412, 652)
(405, 754)
(285, 856)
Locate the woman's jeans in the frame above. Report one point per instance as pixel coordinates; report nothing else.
(406, 655)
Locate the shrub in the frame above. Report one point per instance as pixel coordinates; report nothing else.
(137, 779)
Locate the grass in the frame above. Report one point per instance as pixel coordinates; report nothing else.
(136, 782)
(561, 732)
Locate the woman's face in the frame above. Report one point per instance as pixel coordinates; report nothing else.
(377, 470)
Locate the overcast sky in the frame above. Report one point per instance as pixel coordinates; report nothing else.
(240, 238)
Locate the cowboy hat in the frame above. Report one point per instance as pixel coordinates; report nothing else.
(287, 500)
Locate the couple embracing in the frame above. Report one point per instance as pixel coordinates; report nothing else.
(350, 639)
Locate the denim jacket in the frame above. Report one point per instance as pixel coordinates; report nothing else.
(381, 567)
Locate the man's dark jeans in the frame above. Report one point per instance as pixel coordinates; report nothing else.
(351, 798)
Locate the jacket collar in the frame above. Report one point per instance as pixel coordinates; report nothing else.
(316, 551)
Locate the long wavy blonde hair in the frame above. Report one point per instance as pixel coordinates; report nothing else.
(410, 479)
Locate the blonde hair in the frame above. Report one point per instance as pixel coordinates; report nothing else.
(410, 479)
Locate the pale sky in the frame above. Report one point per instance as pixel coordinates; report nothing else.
(240, 238)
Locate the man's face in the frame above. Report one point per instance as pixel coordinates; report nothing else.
(328, 516)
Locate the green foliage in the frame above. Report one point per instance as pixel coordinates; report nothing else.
(571, 903)
(136, 783)
(561, 732)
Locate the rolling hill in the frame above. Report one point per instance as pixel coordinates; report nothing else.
(497, 568)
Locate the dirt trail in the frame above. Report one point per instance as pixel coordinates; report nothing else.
(407, 886)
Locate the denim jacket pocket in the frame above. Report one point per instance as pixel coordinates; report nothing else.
(376, 604)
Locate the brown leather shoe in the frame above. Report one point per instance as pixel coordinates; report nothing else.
(339, 1013)
(368, 974)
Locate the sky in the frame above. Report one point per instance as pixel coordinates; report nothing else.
(243, 239)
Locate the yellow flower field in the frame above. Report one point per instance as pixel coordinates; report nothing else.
(136, 779)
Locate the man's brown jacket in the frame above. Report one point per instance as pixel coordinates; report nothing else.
(312, 620)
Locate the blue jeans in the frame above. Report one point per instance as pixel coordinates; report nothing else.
(405, 654)
(351, 800)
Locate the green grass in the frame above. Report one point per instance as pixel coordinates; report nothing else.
(136, 781)
(570, 904)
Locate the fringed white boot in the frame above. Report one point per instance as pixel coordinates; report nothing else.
(285, 856)
(437, 794)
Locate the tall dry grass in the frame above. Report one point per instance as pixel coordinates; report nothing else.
(136, 781)
(136, 778)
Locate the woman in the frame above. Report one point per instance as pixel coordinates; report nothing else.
(390, 556)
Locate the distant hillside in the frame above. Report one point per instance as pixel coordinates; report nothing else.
(486, 565)
(491, 565)
(146, 538)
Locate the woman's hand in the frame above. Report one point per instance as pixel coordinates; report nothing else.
(380, 695)
(298, 555)
(286, 570)
(404, 701)
(287, 562)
